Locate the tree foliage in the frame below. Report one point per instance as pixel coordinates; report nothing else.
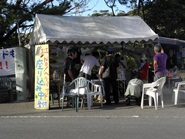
(132, 4)
(18, 15)
(165, 17)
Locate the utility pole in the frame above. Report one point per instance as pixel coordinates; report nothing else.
(18, 32)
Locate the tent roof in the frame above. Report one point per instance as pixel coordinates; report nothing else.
(52, 28)
(171, 41)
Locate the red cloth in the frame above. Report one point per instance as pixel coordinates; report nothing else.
(144, 71)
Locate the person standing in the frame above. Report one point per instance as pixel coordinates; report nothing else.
(69, 69)
(110, 82)
(159, 62)
(144, 67)
(89, 62)
(77, 61)
(124, 64)
(122, 67)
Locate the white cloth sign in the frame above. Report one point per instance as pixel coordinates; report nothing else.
(7, 63)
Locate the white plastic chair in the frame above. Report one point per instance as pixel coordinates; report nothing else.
(154, 90)
(180, 89)
(100, 82)
(93, 90)
(75, 89)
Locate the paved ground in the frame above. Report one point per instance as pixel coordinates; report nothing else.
(20, 120)
(27, 109)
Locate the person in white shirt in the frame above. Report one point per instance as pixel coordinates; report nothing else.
(89, 62)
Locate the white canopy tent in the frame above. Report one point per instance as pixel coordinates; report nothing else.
(86, 32)
(67, 29)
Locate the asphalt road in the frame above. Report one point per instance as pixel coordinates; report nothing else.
(92, 127)
(21, 120)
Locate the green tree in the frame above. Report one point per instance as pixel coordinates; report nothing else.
(167, 18)
(101, 13)
(18, 16)
(132, 4)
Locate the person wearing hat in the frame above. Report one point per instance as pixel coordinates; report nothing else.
(110, 82)
(144, 67)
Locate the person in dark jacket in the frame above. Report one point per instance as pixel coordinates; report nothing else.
(69, 69)
(110, 83)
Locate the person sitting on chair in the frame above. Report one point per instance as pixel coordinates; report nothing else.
(134, 90)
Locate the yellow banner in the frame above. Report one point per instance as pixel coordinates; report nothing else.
(41, 99)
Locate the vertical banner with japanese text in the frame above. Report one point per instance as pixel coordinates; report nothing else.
(7, 63)
(41, 99)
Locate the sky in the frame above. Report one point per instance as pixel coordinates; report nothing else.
(97, 5)
(101, 5)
